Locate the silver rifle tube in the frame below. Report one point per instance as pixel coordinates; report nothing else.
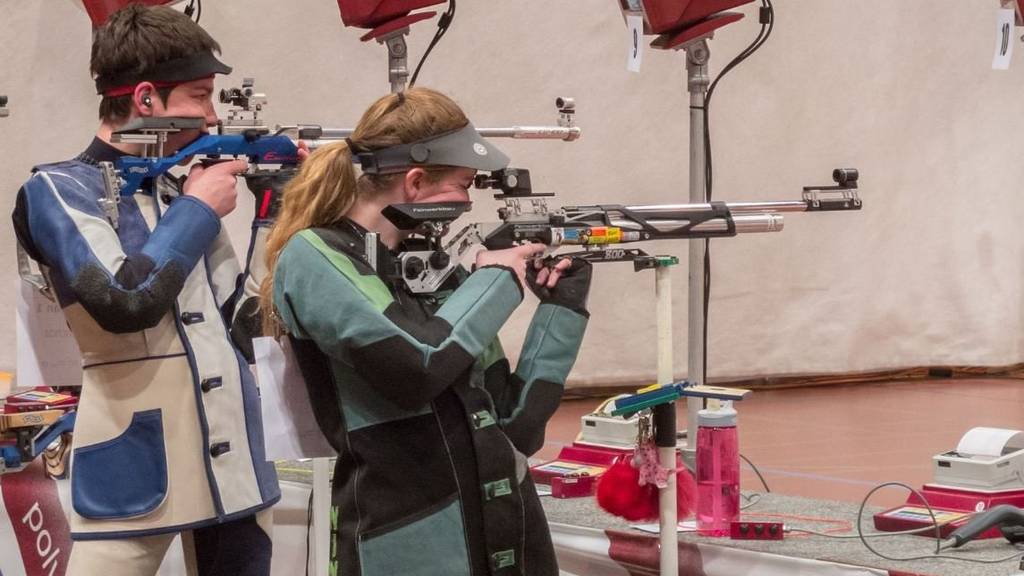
(336, 133)
(734, 207)
(745, 224)
(314, 144)
(567, 134)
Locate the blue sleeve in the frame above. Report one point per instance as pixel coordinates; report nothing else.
(123, 292)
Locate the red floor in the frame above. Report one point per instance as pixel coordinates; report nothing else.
(837, 442)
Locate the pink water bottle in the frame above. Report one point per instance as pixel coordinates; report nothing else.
(718, 470)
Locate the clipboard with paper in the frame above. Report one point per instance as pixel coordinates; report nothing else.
(289, 425)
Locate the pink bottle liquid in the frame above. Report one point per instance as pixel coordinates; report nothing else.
(718, 471)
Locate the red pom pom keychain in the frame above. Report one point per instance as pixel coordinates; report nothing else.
(629, 489)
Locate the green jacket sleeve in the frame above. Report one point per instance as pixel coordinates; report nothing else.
(321, 295)
(549, 352)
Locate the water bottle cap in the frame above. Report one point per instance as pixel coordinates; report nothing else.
(722, 417)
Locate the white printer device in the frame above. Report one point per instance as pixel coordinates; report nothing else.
(985, 460)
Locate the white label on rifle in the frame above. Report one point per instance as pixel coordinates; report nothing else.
(1005, 20)
(636, 38)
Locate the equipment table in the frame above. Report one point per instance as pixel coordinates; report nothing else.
(592, 542)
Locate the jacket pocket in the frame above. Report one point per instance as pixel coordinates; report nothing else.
(125, 476)
(434, 544)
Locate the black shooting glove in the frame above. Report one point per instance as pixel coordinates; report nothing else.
(267, 186)
(572, 288)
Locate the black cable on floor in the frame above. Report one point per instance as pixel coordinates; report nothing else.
(309, 526)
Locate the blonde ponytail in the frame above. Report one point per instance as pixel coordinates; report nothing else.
(326, 185)
(324, 188)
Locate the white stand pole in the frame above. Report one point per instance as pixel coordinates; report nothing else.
(665, 418)
(321, 515)
(697, 55)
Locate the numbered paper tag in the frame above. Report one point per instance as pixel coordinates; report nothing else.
(47, 352)
(635, 22)
(1005, 20)
(289, 426)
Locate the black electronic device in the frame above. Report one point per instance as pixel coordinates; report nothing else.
(1008, 518)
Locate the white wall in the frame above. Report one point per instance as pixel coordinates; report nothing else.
(928, 273)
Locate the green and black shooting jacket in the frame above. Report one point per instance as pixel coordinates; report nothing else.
(431, 426)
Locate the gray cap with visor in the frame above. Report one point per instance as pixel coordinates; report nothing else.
(463, 148)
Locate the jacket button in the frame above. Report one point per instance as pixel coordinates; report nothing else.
(191, 317)
(211, 383)
(220, 448)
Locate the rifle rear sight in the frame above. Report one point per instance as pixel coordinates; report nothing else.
(245, 97)
(846, 177)
(513, 182)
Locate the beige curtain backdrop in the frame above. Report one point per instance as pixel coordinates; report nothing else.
(928, 273)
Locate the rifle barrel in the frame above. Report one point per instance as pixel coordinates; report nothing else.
(566, 133)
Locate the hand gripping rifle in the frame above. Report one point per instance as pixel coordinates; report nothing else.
(131, 172)
(599, 230)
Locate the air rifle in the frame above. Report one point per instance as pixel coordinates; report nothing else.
(426, 260)
(131, 173)
(247, 106)
(244, 134)
(256, 146)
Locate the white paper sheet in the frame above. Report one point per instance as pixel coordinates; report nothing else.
(47, 353)
(1005, 37)
(635, 45)
(985, 441)
(288, 423)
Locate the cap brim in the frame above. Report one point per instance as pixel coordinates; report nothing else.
(194, 67)
(467, 149)
(463, 148)
(221, 68)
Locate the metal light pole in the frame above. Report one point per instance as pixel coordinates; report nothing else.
(697, 55)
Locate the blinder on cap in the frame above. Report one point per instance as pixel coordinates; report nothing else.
(462, 148)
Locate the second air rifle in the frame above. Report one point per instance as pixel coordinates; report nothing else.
(600, 231)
